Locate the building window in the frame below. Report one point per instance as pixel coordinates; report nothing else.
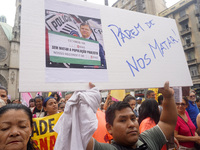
(187, 40)
(3, 53)
(184, 26)
(182, 13)
(198, 19)
(194, 71)
(190, 55)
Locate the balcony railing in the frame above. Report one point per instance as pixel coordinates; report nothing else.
(196, 77)
(183, 18)
(192, 62)
(186, 31)
(188, 46)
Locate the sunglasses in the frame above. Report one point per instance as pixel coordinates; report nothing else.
(192, 96)
(182, 104)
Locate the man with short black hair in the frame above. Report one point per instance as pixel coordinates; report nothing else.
(150, 94)
(3, 94)
(123, 126)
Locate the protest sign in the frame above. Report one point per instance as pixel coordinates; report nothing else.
(123, 51)
(43, 133)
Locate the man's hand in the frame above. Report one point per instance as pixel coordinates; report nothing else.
(91, 85)
(167, 92)
(168, 116)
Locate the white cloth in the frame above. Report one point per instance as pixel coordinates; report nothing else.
(77, 124)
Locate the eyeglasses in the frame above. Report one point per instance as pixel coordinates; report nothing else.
(192, 96)
(182, 104)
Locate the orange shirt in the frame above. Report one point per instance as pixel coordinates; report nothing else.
(146, 124)
(101, 134)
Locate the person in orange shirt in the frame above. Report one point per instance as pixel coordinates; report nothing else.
(101, 134)
(149, 116)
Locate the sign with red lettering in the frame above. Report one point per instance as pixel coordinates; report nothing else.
(43, 134)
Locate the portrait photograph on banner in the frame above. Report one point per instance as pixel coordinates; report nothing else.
(72, 41)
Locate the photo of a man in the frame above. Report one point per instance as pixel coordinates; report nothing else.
(86, 32)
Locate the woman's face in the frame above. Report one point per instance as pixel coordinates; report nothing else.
(62, 107)
(51, 106)
(62, 100)
(32, 104)
(38, 103)
(132, 103)
(181, 107)
(15, 130)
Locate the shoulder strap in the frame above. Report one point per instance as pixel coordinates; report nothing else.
(186, 124)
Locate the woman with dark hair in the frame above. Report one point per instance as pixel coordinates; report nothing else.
(149, 116)
(56, 96)
(50, 106)
(32, 104)
(160, 100)
(185, 130)
(38, 111)
(132, 102)
(16, 128)
(61, 107)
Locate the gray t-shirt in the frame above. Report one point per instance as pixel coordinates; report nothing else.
(154, 138)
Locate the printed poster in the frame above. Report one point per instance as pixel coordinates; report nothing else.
(74, 42)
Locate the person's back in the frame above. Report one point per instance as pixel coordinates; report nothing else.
(149, 116)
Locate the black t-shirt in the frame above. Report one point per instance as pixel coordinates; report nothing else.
(39, 113)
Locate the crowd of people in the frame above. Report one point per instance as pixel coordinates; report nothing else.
(122, 125)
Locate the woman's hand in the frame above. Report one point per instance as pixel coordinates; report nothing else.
(197, 139)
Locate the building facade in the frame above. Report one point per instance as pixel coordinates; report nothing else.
(145, 6)
(9, 53)
(187, 16)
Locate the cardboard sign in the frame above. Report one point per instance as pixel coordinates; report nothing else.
(43, 133)
(124, 50)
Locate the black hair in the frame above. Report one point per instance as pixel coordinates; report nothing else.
(39, 97)
(160, 99)
(32, 100)
(55, 93)
(30, 145)
(60, 104)
(128, 98)
(9, 101)
(149, 92)
(149, 108)
(110, 112)
(3, 88)
(186, 100)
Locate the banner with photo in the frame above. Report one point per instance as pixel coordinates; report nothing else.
(66, 44)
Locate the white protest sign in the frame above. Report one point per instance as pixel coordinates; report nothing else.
(66, 44)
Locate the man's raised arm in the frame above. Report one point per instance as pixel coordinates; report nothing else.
(168, 116)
